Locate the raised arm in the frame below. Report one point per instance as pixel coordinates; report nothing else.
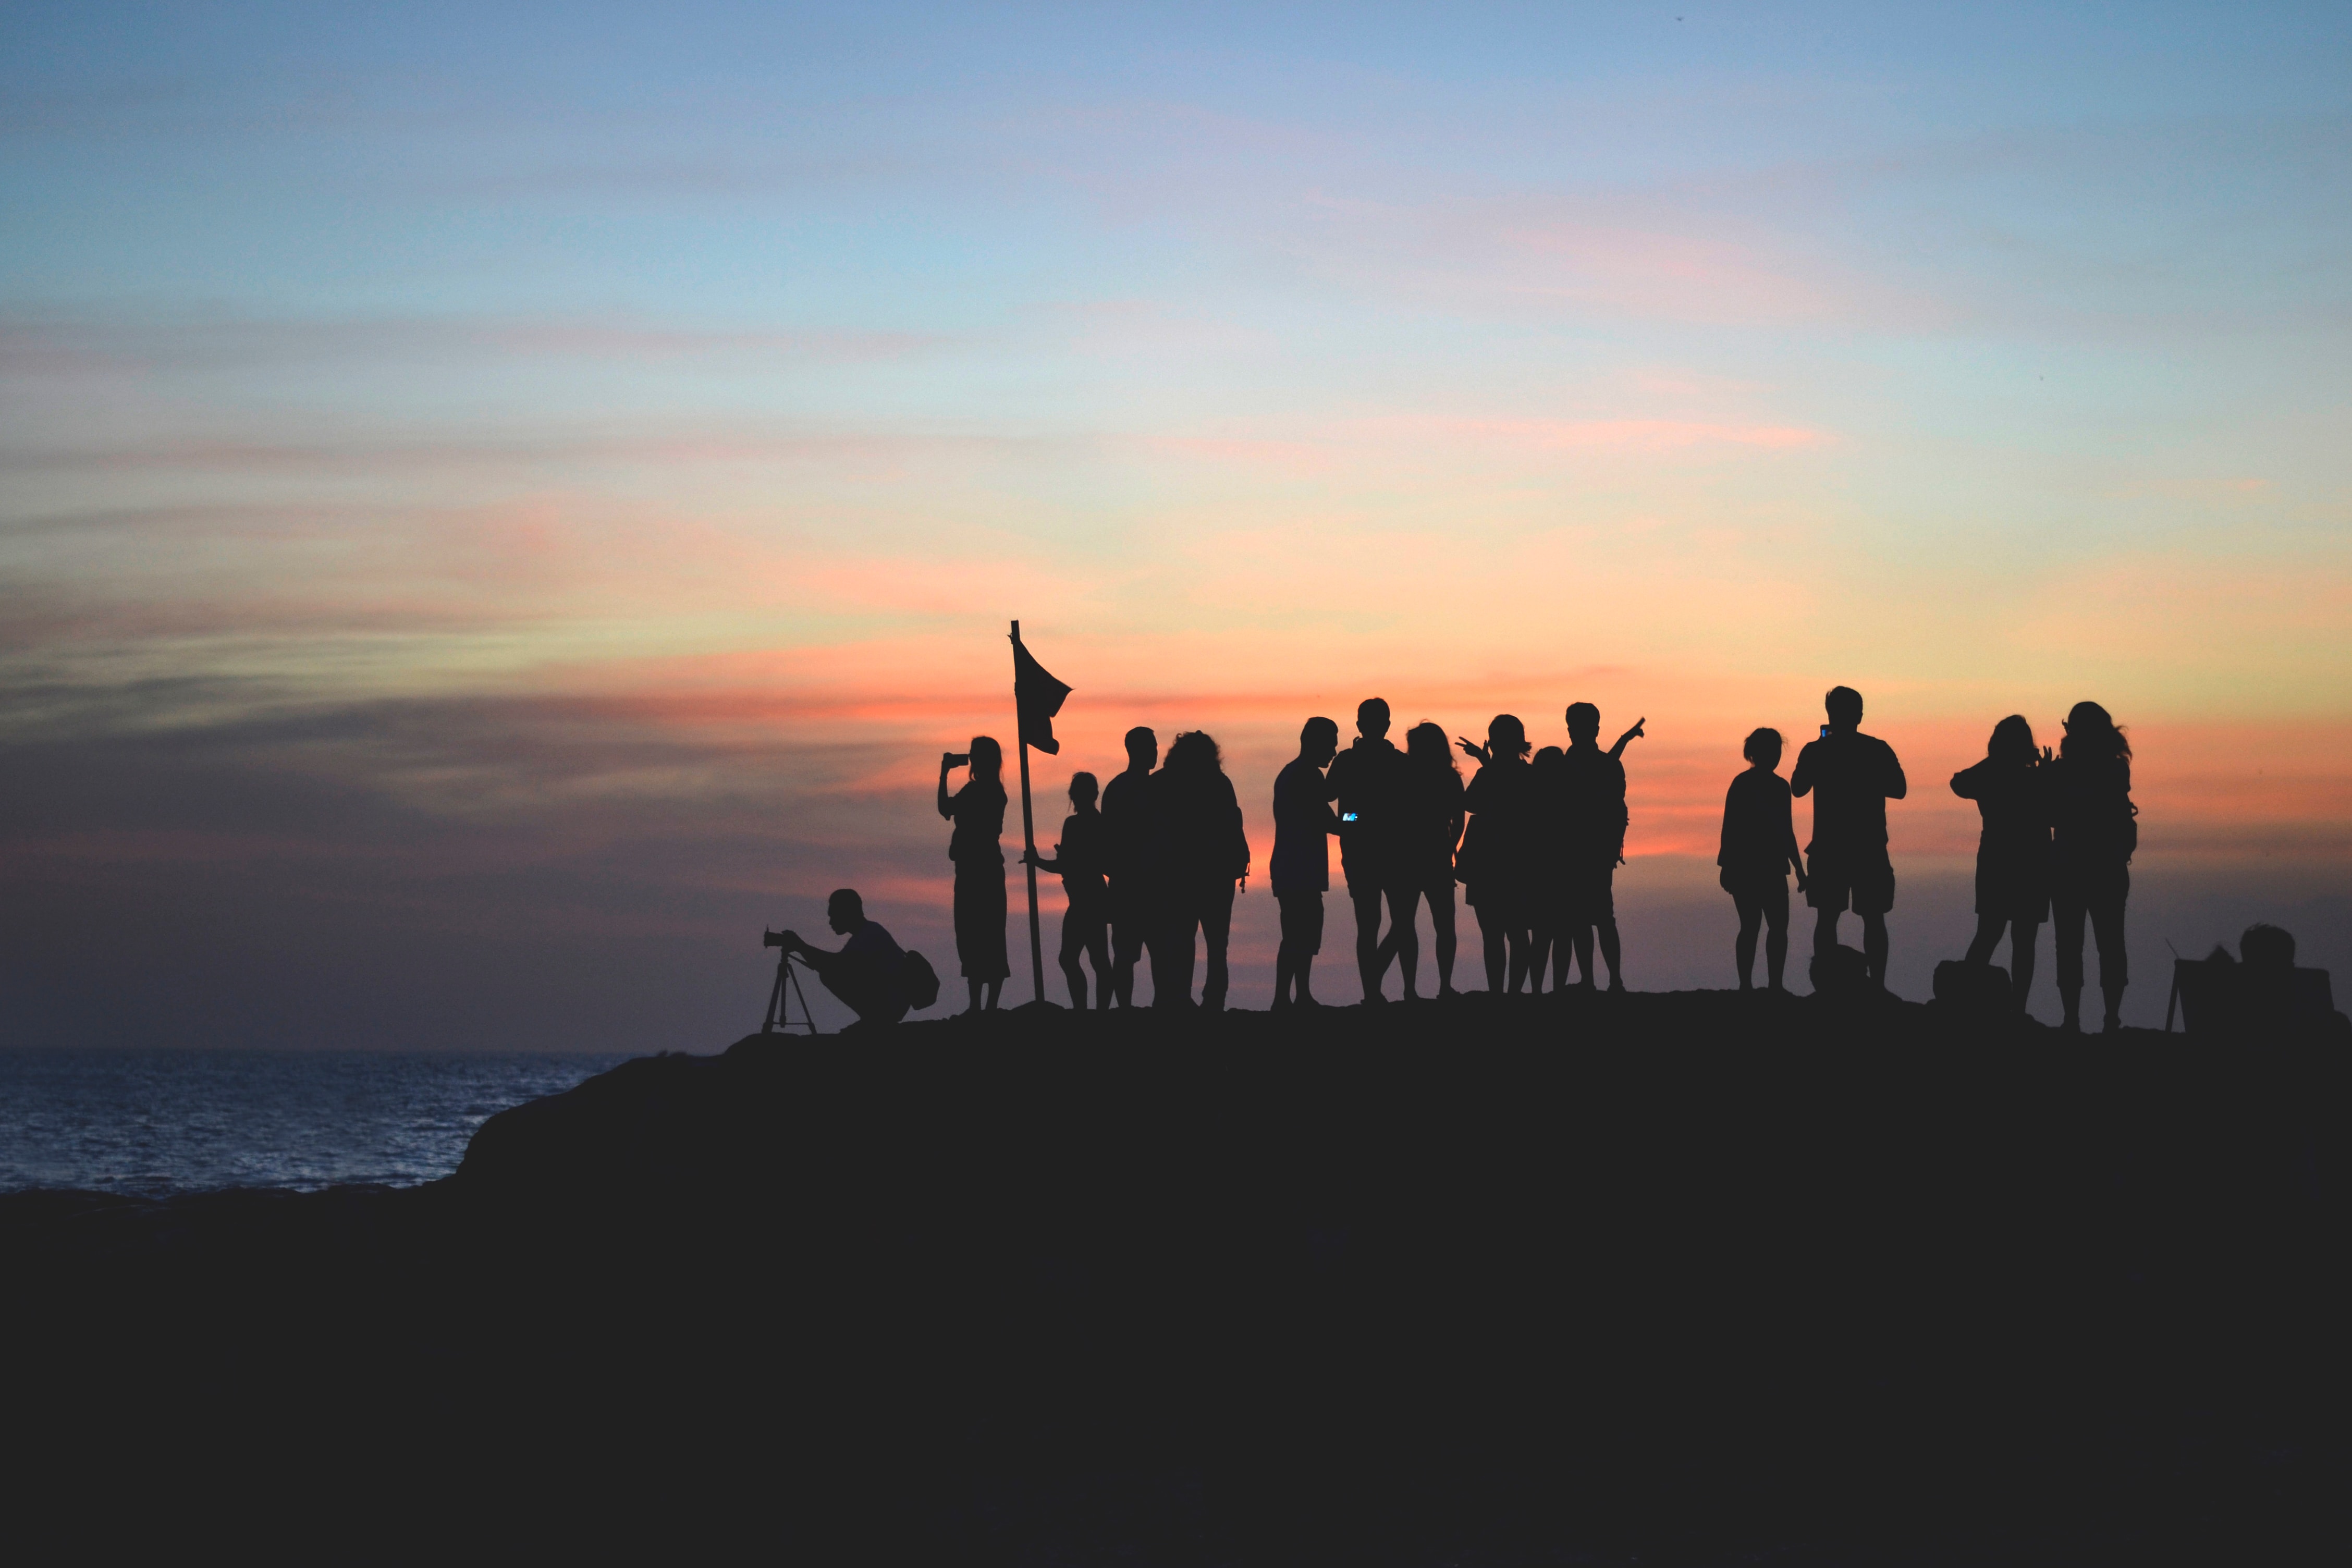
(1628, 738)
(1800, 777)
(946, 760)
(1964, 783)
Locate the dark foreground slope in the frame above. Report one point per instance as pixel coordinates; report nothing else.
(1697, 1279)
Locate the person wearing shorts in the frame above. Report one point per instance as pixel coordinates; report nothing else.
(1851, 778)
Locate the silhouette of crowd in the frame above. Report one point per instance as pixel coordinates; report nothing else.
(1151, 862)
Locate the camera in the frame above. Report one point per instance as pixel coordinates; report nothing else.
(775, 937)
(959, 758)
(1825, 732)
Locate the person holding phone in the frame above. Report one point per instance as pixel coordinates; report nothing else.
(1301, 871)
(1367, 780)
(978, 812)
(1851, 778)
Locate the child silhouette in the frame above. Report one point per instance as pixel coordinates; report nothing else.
(1759, 848)
(1085, 921)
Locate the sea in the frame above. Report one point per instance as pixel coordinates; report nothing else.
(157, 1123)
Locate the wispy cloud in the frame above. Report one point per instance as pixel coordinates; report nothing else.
(34, 346)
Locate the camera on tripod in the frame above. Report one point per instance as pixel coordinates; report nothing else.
(787, 988)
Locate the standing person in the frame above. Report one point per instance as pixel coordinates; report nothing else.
(1857, 775)
(978, 812)
(1301, 871)
(2098, 831)
(1207, 853)
(1495, 849)
(1594, 820)
(1429, 829)
(1131, 861)
(1085, 916)
(1548, 883)
(1759, 848)
(2013, 850)
(1365, 780)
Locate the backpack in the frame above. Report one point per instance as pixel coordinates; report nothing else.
(1842, 971)
(921, 982)
(1974, 991)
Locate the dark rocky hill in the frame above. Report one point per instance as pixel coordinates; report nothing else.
(1696, 1278)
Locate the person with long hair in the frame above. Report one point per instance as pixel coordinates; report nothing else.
(1758, 847)
(2013, 850)
(1430, 806)
(2098, 830)
(1085, 916)
(1207, 854)
(978, 812)
(1493, 862)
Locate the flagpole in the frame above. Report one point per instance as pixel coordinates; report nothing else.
(1028, 831)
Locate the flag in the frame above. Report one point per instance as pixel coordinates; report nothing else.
(1039, 697)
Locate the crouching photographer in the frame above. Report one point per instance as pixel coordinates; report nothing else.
(878, 980)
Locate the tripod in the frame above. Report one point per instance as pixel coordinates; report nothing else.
(780, 1019)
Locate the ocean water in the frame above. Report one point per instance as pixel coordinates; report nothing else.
(156, 1123)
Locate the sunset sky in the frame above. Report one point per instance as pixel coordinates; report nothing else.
(501, 502)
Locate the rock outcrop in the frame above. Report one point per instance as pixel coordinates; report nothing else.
(1685, 1275)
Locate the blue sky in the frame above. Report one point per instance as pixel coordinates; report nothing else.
(732, 374)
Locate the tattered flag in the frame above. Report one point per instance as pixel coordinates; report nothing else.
(1039, 697)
